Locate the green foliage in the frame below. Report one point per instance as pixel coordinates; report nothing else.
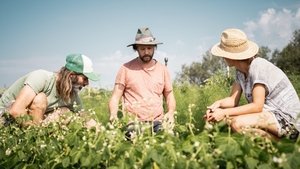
(264, 52)
(198, 72)
(96, 100)
(192, 144)
(289, 58)
(295, 80)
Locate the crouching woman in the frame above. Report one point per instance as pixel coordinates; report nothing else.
(273, 104)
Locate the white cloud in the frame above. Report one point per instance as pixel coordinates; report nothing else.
(298, 14)
(274, 28)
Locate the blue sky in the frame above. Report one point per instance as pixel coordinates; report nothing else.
(38, 34)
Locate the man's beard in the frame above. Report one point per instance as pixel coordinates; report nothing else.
(146, 58)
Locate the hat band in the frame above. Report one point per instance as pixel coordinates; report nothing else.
(145, 39)
(234, 48)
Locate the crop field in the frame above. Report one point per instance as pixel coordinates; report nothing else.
(71, 142)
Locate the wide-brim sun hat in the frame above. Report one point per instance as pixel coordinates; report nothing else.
(235, 45)
(81, 64)
(144, 37)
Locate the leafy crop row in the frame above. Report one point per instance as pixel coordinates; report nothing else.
(71, 143)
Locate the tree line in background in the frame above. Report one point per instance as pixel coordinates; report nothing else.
(288, 60)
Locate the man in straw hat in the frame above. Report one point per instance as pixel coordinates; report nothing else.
(273, 104)
(41, 92)
(143, 83)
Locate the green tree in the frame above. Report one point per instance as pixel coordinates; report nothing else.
(264, 52)
(289, 58)
(198, 72)
(275, 56)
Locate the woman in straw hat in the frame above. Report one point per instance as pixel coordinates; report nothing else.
(273, 104)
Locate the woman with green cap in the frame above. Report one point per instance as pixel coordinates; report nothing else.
(41, 92)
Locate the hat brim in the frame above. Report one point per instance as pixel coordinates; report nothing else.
(92, 76)
(250, 52)
(146, 43)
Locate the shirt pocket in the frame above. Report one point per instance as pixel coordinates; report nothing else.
(158, 87)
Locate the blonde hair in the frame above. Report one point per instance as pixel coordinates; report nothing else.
(64, 84)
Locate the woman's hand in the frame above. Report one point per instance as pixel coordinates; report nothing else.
(211, 109)
(214, 106)
(216, 115)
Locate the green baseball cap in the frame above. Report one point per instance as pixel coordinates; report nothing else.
(81, 64)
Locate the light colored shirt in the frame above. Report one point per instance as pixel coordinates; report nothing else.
(143, 93)
(41, 81)
(281, 96)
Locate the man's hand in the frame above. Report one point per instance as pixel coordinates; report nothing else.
(168, 121)
(113, 117)
(169, 117)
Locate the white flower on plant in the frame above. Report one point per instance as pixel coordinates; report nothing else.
(114, 132)
(277, 160)
(102, 128)
(190, 108)
(217, 151)
(43, 145)
(91, 145)
(280, 159)
(8, 152)
(111, 126)
(126, 154)
(208, 126)
(61, 137)
(197, 144)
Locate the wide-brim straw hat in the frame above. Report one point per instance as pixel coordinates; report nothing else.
(235, 45)
(144, 37)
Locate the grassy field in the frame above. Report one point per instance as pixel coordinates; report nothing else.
(69, 143)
